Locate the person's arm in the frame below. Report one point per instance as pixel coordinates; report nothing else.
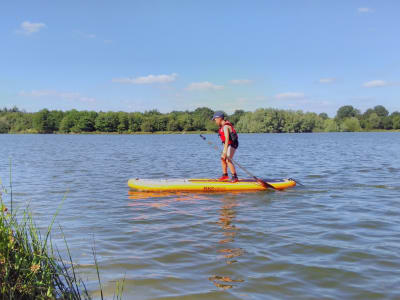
(226, 133)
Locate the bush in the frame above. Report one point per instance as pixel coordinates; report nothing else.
(330, 125)
(350, 124)
(4, 126)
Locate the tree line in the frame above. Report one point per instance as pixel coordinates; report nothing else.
(261, 120)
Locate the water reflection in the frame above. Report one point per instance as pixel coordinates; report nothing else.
(226, 249)
(229, 253)
(162, 198)
(172, 197)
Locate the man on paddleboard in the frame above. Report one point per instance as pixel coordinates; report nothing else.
(229, 138)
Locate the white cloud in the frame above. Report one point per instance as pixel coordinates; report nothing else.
(242, 100)
(29, 28)
(148, 79)
(85, 35)
(290, 95)
(90, 35)
(205, 85)
(56, 94)
(327, 80)
(37, 93)
(375, 83)
(240, 81)
(365, 10)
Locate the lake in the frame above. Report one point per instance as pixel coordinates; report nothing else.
(338, 236)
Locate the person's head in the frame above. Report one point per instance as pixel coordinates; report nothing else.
(218, 117)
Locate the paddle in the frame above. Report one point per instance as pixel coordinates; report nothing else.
(263, 183)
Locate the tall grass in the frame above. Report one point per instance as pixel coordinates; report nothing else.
(30, 267)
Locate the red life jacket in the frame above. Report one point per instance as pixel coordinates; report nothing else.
(222, 134)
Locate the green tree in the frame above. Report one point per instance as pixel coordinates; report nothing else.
(330, 125)
(381, 111)
(387, 123)
(211, 126)
(4, 126)
(147, 126)
(172, 125)
(373, 122)
(235, 117)
(43, 122)
(123, 119)
(350, 124)
(107, 122)
(261, 120)
(395, 116)
(86, 122)
(368, 112)
(198, 122)
(347, 111)
(135, 121)
(252, 122)
(200, 118)
(319, 123)
(55, 117)
(309, 122)
(378, 111)
(23, 123)
(161, 122)
(11, 118)
(69, 121)
(274, 120)
(151, 113)
(323, 116)
(185, 122)
(293, 121)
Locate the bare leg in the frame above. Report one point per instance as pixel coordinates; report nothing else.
(231, 152)
(231, 167)
(224, 166)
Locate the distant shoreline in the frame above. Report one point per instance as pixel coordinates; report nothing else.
(347, 119)
(191, 132)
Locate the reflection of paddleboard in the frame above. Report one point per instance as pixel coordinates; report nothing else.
(206, 185)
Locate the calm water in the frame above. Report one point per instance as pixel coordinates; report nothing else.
(336, 237)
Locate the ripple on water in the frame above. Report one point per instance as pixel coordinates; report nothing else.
(335, 237)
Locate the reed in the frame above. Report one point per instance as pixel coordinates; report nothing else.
(30, 267)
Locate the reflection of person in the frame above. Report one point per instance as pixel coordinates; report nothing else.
(229, 138)
(229, 230)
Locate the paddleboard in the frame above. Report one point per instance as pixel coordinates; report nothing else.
(206, 185)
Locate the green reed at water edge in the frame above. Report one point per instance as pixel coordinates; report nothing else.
(30, 268)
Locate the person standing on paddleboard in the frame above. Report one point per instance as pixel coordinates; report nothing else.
(229, 138)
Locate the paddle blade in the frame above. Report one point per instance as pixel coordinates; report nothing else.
(265, 184)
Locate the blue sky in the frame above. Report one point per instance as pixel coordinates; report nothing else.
(175, 55)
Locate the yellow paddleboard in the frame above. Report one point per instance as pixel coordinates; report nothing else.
(206, 185)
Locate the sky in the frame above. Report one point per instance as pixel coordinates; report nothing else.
(311, 55)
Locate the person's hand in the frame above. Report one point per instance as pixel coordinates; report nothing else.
(223, 155)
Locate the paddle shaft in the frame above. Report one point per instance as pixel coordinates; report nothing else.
(265, 184)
